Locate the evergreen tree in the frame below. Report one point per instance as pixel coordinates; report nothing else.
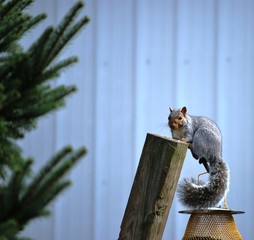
(25, 95)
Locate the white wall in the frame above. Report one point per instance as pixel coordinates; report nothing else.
(138, 58)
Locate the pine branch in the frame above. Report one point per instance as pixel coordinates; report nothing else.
(20, 120)
(28, 64)
(69, 34)
(11, 192)
(53, 71)
(10, 7)
(62, 35)
(37, 206)
(10, 155)
(14, 23)
(24, 201)
(16, 183)
(26, 95)
(11, 31)
(8, 230)
(37, 49)
(56, 173)
(58, 33)
(47, 185)
(53, 99)
(8, 75)
(52, 163)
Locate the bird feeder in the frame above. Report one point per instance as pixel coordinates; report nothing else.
(212, 223)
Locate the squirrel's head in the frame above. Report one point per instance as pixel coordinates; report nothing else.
(177, 118)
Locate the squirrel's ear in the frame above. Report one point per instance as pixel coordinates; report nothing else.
(184, 110)
(171, 109)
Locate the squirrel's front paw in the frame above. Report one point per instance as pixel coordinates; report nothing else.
(185, 140)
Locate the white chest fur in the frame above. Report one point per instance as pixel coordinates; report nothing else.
(179, 134)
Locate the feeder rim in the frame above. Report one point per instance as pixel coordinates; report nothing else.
(211, 210)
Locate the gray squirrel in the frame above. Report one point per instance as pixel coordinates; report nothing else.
(205, 143)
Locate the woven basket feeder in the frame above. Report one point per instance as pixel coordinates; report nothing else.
(211, 224)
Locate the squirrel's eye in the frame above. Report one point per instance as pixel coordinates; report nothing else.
(180, 118)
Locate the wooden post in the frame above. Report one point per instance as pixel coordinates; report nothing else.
(153, 188)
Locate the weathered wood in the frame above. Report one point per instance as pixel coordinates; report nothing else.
(153, 188)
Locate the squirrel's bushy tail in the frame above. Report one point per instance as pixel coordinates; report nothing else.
(205, 195)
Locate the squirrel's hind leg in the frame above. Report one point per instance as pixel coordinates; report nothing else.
(204, 162)
(192, 152)
(201, 160)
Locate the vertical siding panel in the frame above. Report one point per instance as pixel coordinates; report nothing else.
(114, 115)
(196, 78)
(248, 100)
(75, 125)
(154, 70)
(196, 52)
(235, 97)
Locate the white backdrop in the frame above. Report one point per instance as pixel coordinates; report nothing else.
(138, 58)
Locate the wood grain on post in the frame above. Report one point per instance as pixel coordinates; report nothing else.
(153, 189)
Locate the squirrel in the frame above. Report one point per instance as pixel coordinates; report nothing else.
(205, 143)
